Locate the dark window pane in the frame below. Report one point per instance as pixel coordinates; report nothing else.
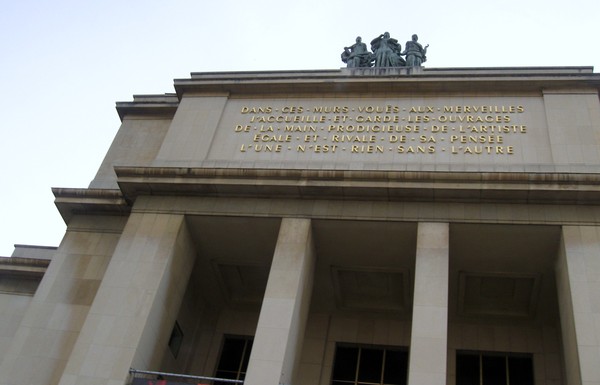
(234, 359)
(396, 365)
(231, 355)
(493, 371)
(226, 374)
(371, 361)
(366, 366)
(344, 367)
(244, 367)
(467, 369)
(520, 370)
(176, 339)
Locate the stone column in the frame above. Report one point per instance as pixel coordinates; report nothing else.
(42, 345)
(429, 335)
(133, 313)
(577, 272)
(280, 331)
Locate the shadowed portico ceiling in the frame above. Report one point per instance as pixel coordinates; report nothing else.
(503, 271)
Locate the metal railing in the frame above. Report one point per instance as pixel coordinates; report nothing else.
(149, 377)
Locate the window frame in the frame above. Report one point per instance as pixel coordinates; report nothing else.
(507, 356)
(242, 366)
(382, 374)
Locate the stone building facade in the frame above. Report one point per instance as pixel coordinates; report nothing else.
(354, 226)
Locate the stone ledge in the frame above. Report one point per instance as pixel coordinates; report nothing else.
(472, 187)
(149, 105)
(401, 80)
(392, 186)
(23, 266)
(72, 201)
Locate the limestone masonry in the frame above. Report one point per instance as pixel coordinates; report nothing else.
(358, 226)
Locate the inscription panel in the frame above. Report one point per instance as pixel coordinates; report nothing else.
(484, 130)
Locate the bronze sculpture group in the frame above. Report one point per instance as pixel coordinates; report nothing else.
(386, 53)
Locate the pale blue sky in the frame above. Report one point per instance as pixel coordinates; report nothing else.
(65, 63)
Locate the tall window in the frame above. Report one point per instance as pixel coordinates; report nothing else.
(176, 339)
(369, 365)
(235, 354)
(477, 368)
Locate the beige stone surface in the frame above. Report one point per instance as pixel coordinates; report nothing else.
(191, 133)
(368, 112)
(395, 238)
(132, 316)
(516, 213)
(281, 326)
(12, 310)
(573, 128)
(224, 129)
(55, 315)
(136, 144)
(578, 270)
(430, 306)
